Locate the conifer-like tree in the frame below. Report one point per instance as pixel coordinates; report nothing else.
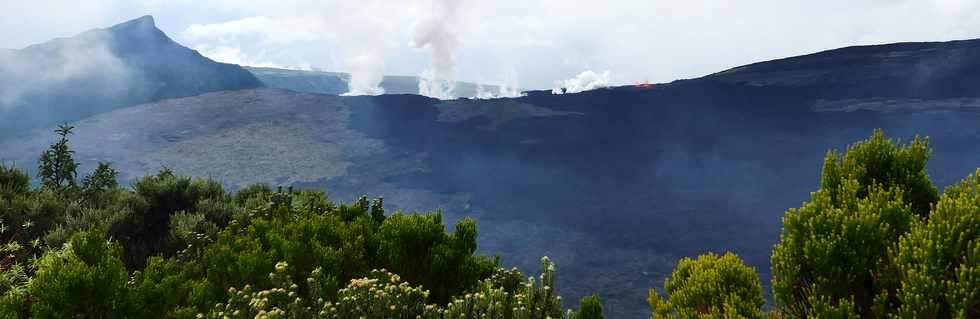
(57, 167)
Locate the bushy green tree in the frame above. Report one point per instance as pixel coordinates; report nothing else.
(13, 182)
(710, 286)
(26, 217)
(145, 230)
(170, 288)
(939, 260)
(306, 240)
(97, 183)
(590, 307)
(834, 250)
(881, 161)
(418, 246)
(86, 278)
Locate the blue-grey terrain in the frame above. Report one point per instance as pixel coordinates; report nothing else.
(614, 184)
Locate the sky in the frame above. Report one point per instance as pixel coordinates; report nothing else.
(532, 44)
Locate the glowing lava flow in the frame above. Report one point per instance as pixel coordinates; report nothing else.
(643, 85)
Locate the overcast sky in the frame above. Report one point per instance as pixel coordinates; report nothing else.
(533, 43)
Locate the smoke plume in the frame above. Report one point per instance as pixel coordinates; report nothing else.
(436, 33)
(585, 81)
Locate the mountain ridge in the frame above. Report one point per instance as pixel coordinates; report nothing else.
(104, 69)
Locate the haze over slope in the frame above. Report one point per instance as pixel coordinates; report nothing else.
(335, 83)
(67, 79)
(614, 184)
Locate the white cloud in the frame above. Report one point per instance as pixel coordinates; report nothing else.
(234, 55)
(271, 31)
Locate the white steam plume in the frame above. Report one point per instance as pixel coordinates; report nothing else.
(366, 73)
(585, 81)
(369, 38)
(437, 33)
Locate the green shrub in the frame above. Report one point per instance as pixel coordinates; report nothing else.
(13, 182)
(883, 162)
(86, 278)
(418, 246)
(835, 248)
(97, 183)
(13, 291)
(710, 286)
(939, 259)
(590, 307)
(145, 230)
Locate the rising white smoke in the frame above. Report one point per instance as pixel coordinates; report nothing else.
(436, 32)
(585, 81)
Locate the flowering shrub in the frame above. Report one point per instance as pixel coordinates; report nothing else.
(383, 294)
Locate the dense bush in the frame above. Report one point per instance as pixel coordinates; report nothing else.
(207, 241)
(86, 278)
(13, 182)
(145, 229)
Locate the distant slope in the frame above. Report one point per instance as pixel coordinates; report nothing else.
(335, 83)
(67, 79)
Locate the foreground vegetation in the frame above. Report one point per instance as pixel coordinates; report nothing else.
(876, 240)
